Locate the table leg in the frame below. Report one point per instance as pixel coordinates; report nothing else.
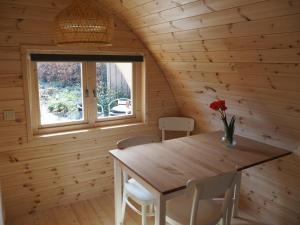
(236, 198)
(118, 192)
(160, 211)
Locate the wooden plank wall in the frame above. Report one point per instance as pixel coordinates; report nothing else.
(59, 169)
(244, 51)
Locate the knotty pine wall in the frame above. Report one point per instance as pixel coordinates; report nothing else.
(59, 169)
(248, 53)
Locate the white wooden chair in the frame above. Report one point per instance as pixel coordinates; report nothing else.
(175, 124)
(198, 207)
(132, 189)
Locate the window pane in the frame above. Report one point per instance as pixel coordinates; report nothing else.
(114, 89)
(60, 92)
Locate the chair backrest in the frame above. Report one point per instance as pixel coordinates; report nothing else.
(209, 189)
(176, 124)
(139, 140)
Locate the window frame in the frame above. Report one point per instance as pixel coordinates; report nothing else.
(90, 119)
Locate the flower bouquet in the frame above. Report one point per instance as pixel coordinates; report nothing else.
(228, 127)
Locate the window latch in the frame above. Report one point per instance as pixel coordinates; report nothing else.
(94, 93)
(87, 93)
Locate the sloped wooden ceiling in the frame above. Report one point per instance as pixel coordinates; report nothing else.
(248, 53)
(244, 51)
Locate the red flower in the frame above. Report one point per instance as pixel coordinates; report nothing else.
(220, 104)
(214, 106)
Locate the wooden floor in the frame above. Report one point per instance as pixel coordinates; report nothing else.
(97, 211)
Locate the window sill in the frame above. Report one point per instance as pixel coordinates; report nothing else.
(86, 133)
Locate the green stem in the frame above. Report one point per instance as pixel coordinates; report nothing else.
(229, 130)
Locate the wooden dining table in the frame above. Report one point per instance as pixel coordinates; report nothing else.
(164, 168)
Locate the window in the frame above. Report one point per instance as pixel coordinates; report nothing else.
(114, 89)
(60, 92)
(80, 91)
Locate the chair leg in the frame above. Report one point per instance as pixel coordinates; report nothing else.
(144, 214)
(123, 206)
(151, 208)
(229, 214)
(223, 221)
(237, 194)
(163, 134)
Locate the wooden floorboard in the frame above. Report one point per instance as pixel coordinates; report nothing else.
(97, 211)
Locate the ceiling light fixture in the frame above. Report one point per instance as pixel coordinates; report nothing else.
(84, 22)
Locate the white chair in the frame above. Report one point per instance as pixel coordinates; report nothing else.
(175, 124)
(132, 189)
(198, 207)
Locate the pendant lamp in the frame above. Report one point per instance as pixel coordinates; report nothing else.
(84, 22)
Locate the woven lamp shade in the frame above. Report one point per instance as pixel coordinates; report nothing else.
(84, 22)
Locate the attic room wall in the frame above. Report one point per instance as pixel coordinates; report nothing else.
(63, 169)
(248, 53)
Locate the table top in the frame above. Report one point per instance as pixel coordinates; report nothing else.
(167, 166)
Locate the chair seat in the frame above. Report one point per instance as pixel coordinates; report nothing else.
(138, 192)
(209, 211)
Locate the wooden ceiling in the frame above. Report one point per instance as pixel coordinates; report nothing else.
(244, 51)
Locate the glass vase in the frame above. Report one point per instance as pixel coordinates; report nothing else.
(228, 142)
(228, 138)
